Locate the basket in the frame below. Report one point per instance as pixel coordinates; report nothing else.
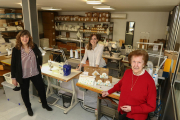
(7, 77)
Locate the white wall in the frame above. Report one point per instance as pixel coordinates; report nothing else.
(153, 22)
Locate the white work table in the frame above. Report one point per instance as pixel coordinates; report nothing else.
(55, 74)
(99, 89)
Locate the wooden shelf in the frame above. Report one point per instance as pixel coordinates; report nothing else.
(72, 40)
(84, 22)
(11, 18)
(10, 31)
(81, 32)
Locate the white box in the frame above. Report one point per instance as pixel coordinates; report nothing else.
(11, 95)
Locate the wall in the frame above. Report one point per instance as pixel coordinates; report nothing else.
(153, 22)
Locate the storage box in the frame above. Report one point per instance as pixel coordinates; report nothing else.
(67, 18)
(104, 19)
(95, 14)
(11, 95)
(87, 19)
(95, 19)
(104, 14)
(92, 19)
(76, 18)
(88, 14)
(82, 18)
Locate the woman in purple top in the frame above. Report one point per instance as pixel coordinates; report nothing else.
(25, 66)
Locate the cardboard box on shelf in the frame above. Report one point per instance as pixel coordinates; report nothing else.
(76, 18)
(62, 18)
(104, 19)
(95, 14)
(72, 18)
(67, 18)
(87, 19)
(91, 19)
(82, 18)
(104, 14)
(95, 19)
(89, 14)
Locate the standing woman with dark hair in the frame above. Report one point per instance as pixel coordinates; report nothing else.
(25, 66)
(94, 53)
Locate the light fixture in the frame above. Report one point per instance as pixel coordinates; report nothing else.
(50, 8)
(103, 7)
(93, 2)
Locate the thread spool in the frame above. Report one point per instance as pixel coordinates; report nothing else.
(155, 77)
(150, 71)
(76, 54)
(71, 53)
(142, 46)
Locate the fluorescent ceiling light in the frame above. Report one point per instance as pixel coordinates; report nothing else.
(50, 8)
(103, 7)
(93, 2)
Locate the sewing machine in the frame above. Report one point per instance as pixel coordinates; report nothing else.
(64, 68)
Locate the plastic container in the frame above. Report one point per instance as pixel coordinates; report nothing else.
(8, 15)
(13, 15)
(7, 77)
(2, 15)
(18, 15)
(11, 95)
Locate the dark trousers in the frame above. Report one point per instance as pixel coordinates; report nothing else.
(123, 117)
(39, 85)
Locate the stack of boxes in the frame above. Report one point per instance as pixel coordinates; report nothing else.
(89, 17)
(95, 76)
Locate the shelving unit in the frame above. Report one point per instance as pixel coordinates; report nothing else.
(11, 21)
(83, 32)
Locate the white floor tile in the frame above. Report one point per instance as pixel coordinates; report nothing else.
(3, 118)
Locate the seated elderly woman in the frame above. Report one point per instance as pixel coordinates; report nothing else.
(137, 87)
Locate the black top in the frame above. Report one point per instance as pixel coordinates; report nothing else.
(16, 66)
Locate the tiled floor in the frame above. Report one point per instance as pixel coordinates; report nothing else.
(11, 111)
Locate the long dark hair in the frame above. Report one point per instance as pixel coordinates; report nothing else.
(89, 45)
(18, 39)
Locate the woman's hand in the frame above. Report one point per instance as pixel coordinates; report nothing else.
(105, 93)
(14, 82)
(78, 69)
(126, 108)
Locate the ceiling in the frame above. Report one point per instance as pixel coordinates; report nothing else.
(119, 5)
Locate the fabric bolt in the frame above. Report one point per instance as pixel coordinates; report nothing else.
(28, 60)
(94, 56)
(142, 98)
